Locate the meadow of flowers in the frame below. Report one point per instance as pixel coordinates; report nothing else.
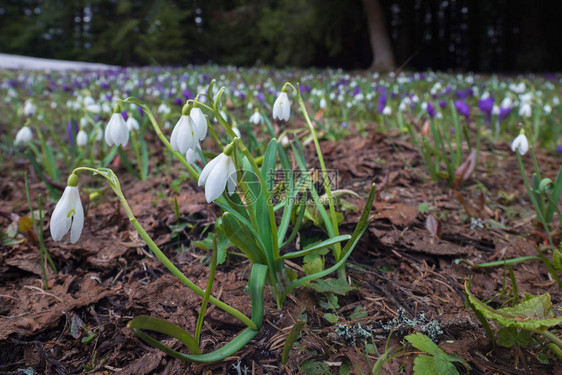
(449, 179)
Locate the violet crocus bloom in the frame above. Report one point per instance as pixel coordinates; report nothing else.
(486, 105)
(382, 103)
(559, 148)
(504, 112)
(431, 110)
(442, 104)
(462, 108)
(72, 130)
(125, 115)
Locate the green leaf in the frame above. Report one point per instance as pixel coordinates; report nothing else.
(318, 246)
(241, 238)
(346, 251)
(532, 314)
(554, 197)
(506, 336)
(423, 343)
(332, 318)
(313, 263)
(310, 367)
(291, 338)
(255, 286)
(337, 286)
(163, 326)
(358, 313)
(268, 165)
(429, 365)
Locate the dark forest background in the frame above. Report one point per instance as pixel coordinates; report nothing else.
(462, 35)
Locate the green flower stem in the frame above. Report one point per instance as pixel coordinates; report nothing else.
(337, 247)
(161, 256)
(540, 216)
(207, 295)
(137, 154)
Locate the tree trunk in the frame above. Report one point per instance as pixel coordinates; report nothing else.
(383, 59)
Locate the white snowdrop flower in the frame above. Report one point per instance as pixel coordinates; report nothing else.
(163, 108)
(200, 122)
(423, 106)
(236, 131)
(525, 110)
(387, 111)
(185, 135)
(24, 135)
(192, 155)
(132, 123)
(323, 103)
(438, 115)
(54, 105)
(29, 109)
(167, 125)
(547, 109)
(415, 99)
(68, 213)
(116, 131)
(99, 134)
(88, 101)
(218, 174)
(555, 100)
(521, 144)
(495, 110)
(507, 102)
(83, 122)
(81, 138)
(285, 141)
(282, 107)
(255, 118)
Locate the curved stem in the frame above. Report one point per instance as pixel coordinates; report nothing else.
(208, 289)
(114, 183)
(337, 247)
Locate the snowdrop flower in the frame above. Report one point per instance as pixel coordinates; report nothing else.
(323, 103)
(236, 131)
(525, 110)
(185, 135)
(547, 109)
(555, 100)
(24, 135)
(495, 110)
(68, 213)
(192, 155)
(99, 134)
(81, 138)
(200, 122)
(218, 174)
(282, 107)
(521, 144)
(255, 118)
(387, 111)
(132, 123)
(29, 109)
(116, 131)
(507, 102)
(163, 108)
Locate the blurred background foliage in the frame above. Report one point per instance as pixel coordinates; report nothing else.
(477, 35)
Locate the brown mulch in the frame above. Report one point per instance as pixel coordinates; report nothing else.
(398, 269)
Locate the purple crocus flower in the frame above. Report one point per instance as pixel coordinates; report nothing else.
(462, 108)
(178, 101)
(559, 148)
(382, 103)
(486, 105)
(442, 104)
(125, 115)
(72, 130)
(431, 110)
(504, 112)
(187, 94)
(141, 112)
